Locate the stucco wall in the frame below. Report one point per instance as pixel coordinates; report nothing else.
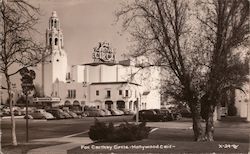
(108, 73)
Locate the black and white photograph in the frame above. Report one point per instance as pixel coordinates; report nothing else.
(124, 76)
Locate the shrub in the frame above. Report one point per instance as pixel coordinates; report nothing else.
(124, 132)
(98, 131)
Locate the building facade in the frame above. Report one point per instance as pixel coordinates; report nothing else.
(104, 83)
(242, 101)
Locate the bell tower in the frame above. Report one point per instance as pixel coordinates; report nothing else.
(54, 35)
(55, 66)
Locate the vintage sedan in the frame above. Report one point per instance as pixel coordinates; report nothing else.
(107, 112)
(95, 113)
(57, 113)
(128, 112)
(153, 115)
(72, 114)
(41, 114)
(116, 112)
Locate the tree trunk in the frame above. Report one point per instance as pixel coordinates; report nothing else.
(209, 134)
(197, 127)
(13, 124)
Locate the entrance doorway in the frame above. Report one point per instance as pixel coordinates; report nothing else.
(120, 105)
(108, 105)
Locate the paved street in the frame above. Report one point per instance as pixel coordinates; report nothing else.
(39, 129)
(69, 135)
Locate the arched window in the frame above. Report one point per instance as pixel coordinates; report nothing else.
(50, 41)
(56, 41)
(76, 103)
(51, 23)
(55, 23)
(67, 103)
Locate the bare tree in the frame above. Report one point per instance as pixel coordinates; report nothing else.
(161, 29)
(17, 47)
(225, 25)
(165, 32)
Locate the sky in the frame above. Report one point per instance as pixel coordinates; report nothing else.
(84, 23)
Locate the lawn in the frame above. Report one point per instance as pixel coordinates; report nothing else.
(23, 148)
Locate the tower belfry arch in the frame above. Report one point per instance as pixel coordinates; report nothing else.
(55, 66)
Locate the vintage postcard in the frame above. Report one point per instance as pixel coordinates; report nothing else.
(124, 76)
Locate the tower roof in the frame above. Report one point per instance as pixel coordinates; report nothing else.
(54, 14)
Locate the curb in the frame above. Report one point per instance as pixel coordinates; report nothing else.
(16, 117)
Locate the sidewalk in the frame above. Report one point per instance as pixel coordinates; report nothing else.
(176, 139)
(73, 141)
(69, 142)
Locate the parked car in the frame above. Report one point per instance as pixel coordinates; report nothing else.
(120, 111)
(182, 110)
(41, 114)
(72, 114)
(29, 117)
(57, 113)
(147, 115)
(116, 112)
(127, 111)
(95, 113)
(107, 112)
(153, 115)
(77, 111)
(167, 115)
(66, 114)
(30, 110)
(164, 115)
(6, 111)
(17, 111)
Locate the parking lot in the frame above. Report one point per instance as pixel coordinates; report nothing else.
(39, 129)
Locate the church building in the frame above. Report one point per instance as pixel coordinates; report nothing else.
(104, 83)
